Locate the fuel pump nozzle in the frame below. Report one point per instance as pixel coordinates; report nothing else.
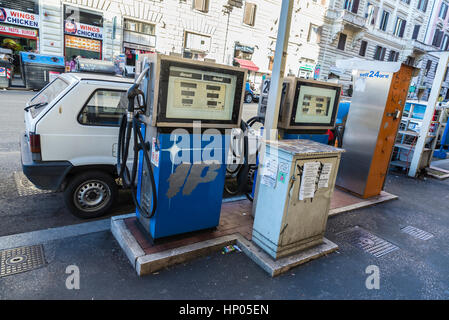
(130, 123)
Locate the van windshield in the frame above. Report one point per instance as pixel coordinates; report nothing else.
(47, 95)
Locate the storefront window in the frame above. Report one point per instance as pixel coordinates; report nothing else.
(83, 47)
(17, 44)
(83, 16)
(138, 38)
(19, 31)
(83, 31)
(137, 26)
(31, 6)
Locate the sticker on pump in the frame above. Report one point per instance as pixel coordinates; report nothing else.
(154, 153)
(2, 72)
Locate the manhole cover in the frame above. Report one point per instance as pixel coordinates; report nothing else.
(25, 187)
(417, 233)
(367, 241)
(21, 259)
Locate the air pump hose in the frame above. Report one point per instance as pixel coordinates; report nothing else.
(130, 125)
(242, 176)
(244, 169)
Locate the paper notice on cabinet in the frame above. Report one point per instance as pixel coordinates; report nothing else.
(308, 180)
(270, 171)
(325, 174)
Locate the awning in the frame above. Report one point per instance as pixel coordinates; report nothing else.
(337, 71)
(247, 64)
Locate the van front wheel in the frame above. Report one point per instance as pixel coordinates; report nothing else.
(90, 194)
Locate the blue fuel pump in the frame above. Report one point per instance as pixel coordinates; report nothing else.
(308, 109)
(181, 133)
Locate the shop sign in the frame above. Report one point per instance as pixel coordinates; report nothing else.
(19, 18)
(83, 30)
(243, 48)
(14, 31)
(306, 66)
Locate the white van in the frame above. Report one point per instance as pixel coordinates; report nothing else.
(70, 141)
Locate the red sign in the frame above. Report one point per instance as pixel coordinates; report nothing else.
(18, 32)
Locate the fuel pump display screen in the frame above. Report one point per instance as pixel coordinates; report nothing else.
(315, 104)
(199, 94)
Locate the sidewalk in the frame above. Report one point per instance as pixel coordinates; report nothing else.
(417, 270)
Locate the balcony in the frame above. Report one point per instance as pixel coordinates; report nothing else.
(416, 49)
(342, 19)
(347, 18)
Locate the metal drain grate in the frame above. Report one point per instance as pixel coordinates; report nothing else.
(25, 187)
(21, 259)
(417, 233)
(367, 241)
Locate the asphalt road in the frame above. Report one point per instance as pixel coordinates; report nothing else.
(21, 208)
(417, 270)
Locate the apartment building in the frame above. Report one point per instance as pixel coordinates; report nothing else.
(225, 31)
(383, 30)
(437, 37)
(239, 32)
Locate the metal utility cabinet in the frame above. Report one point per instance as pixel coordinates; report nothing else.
(297, 182)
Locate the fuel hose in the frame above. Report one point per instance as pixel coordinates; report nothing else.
(130, 125)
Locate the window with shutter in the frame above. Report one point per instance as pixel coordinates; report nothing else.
(437, 37)
(201, 5)
(394, 55)
(402, 29)
(21, 5)
(422, 5)
(355, 6)
(443, 11)
(374, 15)
(351, 5)
(399, 28)
(341, 41)
(416, 31)
(384, 20)
(379, 54)
(445, 43)
(249, 14)
(363, 46)
(428, 66)
(314, 34)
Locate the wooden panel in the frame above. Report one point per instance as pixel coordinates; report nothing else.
(388, 131)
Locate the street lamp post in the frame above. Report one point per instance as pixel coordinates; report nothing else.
(227, 9)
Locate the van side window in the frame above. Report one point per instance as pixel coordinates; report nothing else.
(104, 108)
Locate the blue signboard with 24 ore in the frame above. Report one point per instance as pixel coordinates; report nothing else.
(374, 74)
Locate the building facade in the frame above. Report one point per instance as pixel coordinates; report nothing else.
(235, 32)
(436, 37)
(225, 31)
(382, 30)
